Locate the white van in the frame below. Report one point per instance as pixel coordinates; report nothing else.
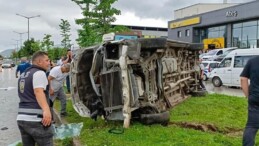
(229, 70)
(213, 54)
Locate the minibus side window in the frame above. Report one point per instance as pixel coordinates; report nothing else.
(213, 65)
(240, 61)
(225, 63)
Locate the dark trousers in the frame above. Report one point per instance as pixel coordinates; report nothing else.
(252, 125)
(68, 84)
(35, 132)
(60, 94)
(201, 83)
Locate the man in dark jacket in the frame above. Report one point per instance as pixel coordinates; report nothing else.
(251, 72)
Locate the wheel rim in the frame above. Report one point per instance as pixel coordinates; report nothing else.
(216, 81)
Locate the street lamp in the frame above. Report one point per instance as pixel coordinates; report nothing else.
(17, 43)
(20, 33)
(28, 22)
(16, 48)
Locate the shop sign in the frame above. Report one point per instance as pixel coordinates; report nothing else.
(217, 42)
(185, 22)
(231, 14)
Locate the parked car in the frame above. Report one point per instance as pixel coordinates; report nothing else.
(228, 71)
(13, 64)
(212, 54)
(6, 65)
(220, 57)
(208, 67)
(201, 55)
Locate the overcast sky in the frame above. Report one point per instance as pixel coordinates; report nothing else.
(154, 13)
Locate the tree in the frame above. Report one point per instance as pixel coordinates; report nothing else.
(65, 33)
(86, 36)
(56, 53)
(30, 46)
(13, 55)
(98, 16)
(104, 13)
(46, 43)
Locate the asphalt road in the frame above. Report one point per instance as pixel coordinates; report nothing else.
(233, 91)
(9, 132)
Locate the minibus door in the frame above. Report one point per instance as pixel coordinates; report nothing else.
(225, 71)
(238, 66)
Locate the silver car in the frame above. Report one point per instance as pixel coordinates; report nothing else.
(6, 65)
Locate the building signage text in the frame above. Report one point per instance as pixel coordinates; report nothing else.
(231, 14)
(185, 22)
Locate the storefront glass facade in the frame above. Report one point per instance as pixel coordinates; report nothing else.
(210, 32)
(216, 32)
(245, 34)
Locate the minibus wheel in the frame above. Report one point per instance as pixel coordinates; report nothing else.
(216, 81)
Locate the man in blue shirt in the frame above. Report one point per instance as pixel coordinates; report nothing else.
(22, 66)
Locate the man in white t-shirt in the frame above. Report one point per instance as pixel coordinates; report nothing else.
(199, 68)
(56, 78)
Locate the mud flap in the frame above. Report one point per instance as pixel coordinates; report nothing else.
(158, 118)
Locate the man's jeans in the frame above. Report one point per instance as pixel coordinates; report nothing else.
(252, 125)
(60, 94)
(35, 132)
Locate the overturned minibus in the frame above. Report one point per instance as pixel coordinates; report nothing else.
(134, 79)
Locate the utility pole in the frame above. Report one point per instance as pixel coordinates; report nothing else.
(20, 33)
(28, 17)
(16, 50)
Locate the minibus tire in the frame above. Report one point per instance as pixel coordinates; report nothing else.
(216, 81)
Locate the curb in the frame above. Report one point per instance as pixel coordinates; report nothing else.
(58, 121)
(56, 116)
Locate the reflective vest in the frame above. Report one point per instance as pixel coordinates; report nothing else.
(28, 104)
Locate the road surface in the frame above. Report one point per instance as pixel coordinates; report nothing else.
(9, 132)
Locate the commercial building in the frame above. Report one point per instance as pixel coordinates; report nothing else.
(149, 32)
(200, 8)
(235, 25)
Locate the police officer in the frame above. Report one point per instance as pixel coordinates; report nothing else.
(34, 115)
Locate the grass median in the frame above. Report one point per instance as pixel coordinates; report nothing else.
(212, 120)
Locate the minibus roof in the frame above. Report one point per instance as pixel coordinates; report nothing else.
(254, 51)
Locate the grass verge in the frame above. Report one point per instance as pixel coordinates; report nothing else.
(227, 113)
